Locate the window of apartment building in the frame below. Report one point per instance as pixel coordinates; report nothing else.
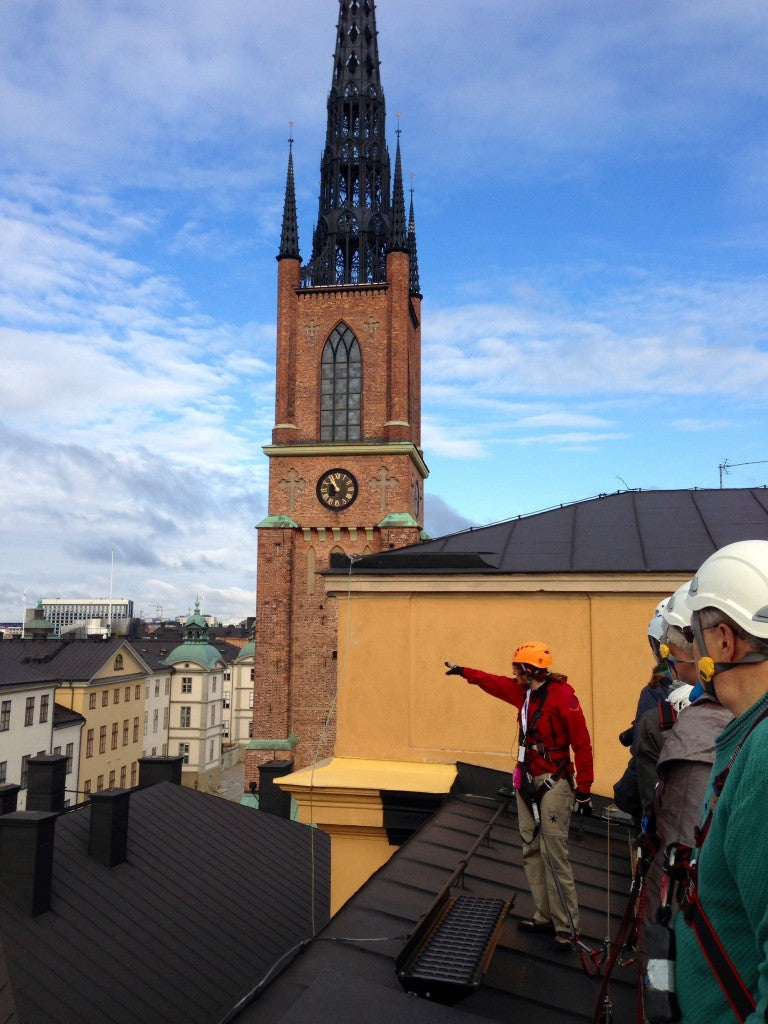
(146, 721)
(226, 698)
(167, 685)
(227, 676)
(137, 691)
(136, 729)
(134, 768)
(3, 772)
(250, 729)
(214, 683)
(112, 779)
(252, 675)
(213, 714)
(89, 743)
(155, 719)
(210, 751)
(186, 684)
(157, 687)
(29, 711)
(44, 705)
(5, 716)
(146, 691)
(165, 718)
(250, 698)
(91, 701)
(24, 770)
(165, 750)
(105, 698)
(184, 752)
(123, 775)
(70, 756)
(114, 735)
(225, 729)
(116, 696)
(118, 665)
(185, 717)
(125, 732)
(99, 783)
(102, 739)
(87, 787)
(127, 694)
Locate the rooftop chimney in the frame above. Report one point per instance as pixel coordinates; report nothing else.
(160, 769)
(26, 858)
(9, 795)
(108, 840)
(46, 782)
(271, 798)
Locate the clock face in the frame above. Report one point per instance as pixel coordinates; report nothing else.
(337, 489)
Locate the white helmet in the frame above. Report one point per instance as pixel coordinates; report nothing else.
(656, 627)
(676, 612)
(679, 698)
(735, 580)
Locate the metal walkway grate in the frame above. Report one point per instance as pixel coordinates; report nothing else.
(452, 948)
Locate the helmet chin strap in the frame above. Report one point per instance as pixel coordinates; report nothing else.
(709, 668)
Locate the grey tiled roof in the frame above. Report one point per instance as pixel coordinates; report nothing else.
(348, 972)
(211, 896)
(66, 660)
(631, 531)
(13, 672)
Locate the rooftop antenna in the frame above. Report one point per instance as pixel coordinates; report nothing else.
(626, 485)
(725, 465)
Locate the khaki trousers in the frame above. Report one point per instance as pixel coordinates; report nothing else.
(545, 848)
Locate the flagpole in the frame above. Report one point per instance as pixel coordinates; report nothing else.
(23, 612)
(111, 577)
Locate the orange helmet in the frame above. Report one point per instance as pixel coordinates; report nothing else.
(533, 653)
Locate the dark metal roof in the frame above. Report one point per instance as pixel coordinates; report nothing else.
(632, 531)
(66, 716)
(13, 672)
(211, 896)
(66, 660)
(348, 972)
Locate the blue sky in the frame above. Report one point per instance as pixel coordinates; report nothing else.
(592, 211)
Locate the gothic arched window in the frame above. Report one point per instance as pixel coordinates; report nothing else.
(341, 385)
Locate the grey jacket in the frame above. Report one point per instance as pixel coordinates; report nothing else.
(683, 769)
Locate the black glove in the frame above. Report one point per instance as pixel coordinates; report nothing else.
(583, 805)
(454, 670)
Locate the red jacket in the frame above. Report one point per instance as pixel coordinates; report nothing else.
(559, 728)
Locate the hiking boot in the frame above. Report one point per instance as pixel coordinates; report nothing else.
(530, 924)
(562, 942)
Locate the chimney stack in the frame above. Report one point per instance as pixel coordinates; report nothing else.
(160, 769)
(9, 797)
(46, 782)
(108, 840)
(271, 798)
(26, 858)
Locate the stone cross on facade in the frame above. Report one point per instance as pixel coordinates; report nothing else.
(371, 326)
(383, 483)
(291, 485)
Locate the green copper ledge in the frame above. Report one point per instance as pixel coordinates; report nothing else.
(289, 743)
(279, 522)
(398, 520)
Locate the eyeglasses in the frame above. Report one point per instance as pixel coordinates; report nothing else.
(689, 634)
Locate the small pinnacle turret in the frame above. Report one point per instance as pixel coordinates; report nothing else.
(398, 240)
(289, 239)
(415, 288)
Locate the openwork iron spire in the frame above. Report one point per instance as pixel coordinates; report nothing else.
(289, 239)
(354, 219)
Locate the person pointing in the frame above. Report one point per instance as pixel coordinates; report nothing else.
(551, 725)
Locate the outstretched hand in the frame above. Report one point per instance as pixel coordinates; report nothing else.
(454, 670)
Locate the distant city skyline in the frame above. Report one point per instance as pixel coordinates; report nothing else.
(591, 207)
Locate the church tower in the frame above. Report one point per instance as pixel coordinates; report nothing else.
(346, 471)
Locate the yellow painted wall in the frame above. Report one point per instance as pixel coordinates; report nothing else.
(395, 702)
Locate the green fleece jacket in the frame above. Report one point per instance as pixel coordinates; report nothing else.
(733, 880)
